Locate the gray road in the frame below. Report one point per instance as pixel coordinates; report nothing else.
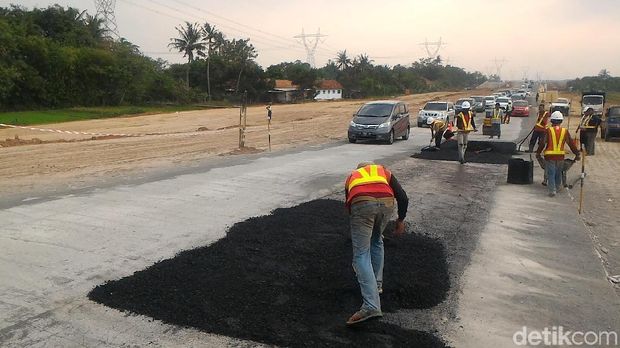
(58, 247)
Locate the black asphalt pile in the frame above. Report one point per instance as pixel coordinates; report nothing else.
(286, 279)
(477, 152)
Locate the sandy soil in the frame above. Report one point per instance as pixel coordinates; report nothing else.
(47, 159)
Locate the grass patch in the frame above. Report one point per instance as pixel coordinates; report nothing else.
(25, 118)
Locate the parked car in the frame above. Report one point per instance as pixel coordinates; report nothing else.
(503, 102)
(610, 127)
(520, 108)
(489, 102)
(457, 105)
(437, 109)
(383, 120)
(479, 105)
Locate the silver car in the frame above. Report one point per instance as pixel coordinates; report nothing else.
(436, 109)
(383, 120)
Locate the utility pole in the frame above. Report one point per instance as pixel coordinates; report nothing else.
(243, 119)
(432, 48)
(105, 11)
(311, 42)
(499, 63)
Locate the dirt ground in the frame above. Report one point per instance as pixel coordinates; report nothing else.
(48, 159)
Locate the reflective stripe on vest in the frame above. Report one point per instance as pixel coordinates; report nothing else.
(466, 123)
(497, 114)
(540, 120)
(585, 122)
(373, 174)
(555, 146)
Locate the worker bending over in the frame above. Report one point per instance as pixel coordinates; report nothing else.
(557, 137)
(437, 127)
(465, 123)
(370, 191)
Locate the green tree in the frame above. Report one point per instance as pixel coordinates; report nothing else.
(190, 43)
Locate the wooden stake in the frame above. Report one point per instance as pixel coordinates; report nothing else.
(269, 132)
(583, 174)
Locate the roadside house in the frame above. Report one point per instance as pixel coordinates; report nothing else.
(328, 90)
(284, 91)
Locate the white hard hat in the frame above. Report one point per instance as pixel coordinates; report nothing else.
(430, 120)
(465, 105)
(557, 116)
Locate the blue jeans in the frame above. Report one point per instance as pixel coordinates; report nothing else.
(368, 220)
(554, 175)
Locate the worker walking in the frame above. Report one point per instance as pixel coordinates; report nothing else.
(588, 127)
(465, 123)
(437, 127)
(370, 191)
(540, 128)
(557, 136)
(496, 122)
(508, 113)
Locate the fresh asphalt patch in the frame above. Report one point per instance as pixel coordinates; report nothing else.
(492, 152)
(286, 279)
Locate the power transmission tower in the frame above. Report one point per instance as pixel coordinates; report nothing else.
(432, 48)
(105, 11)
(499, 63)
(311, 42)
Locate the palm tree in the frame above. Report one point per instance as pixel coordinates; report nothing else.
(190, 40)
(363, 61)
(342, 60)
(213, 39)
(95, 28)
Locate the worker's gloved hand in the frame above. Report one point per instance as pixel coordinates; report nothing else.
(399, 230)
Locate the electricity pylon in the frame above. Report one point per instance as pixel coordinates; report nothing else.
(105, 11)
(311, 42)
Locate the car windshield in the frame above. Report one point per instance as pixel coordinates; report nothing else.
(478, 99)
(615, 112)
(562, 101)
(461, 101)
(436, 106)
(503, 100)
(520, 103)
(592, 100)
(376, 110)
(489, 99)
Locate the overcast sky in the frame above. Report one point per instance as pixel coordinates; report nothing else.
(555, 39)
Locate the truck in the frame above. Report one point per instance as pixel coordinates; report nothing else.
(594, 100)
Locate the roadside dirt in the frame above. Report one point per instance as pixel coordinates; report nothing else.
(44, 160)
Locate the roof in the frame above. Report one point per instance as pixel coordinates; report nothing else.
(285, 84)
(384, 102)
(329, 84)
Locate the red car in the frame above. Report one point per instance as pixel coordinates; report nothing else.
(520, 108)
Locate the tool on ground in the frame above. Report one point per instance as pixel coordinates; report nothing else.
(488, 149)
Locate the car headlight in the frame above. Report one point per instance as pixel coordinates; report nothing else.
(352, 124)
(385, 124)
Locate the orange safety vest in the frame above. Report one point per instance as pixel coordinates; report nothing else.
(556, 138)
(541, 122)
(585, 122)
(372, 179)
(466, 121)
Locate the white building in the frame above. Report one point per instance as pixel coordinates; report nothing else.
(328, 90)
(284, 91)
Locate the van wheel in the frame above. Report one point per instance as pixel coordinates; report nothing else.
(406, 136)
(352, 140)
(391, 138)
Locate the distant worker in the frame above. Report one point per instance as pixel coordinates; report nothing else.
(557, 137)
(588, 127)
(465, 123)
(508, 113)
(540, 128)
(496, 122)
(269, 113)
(437, 127)
(370, 191)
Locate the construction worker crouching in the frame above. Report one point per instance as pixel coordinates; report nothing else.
(370, 191)
(496, 122)
(437, 127)
(588, 127)
(465, 123)
(556, 138)
(540, 128)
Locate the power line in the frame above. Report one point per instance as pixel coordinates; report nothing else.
(105, 11)
(310, 41)
(432, 48)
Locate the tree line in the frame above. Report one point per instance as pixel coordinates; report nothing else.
(62, 57)
(602, 82)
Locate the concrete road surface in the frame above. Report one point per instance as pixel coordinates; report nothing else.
(533, 266)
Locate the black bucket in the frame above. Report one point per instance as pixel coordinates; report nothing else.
(520, 171)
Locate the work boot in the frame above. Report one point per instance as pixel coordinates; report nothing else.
(552, 194)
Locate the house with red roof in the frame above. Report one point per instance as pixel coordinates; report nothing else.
(328, 90)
